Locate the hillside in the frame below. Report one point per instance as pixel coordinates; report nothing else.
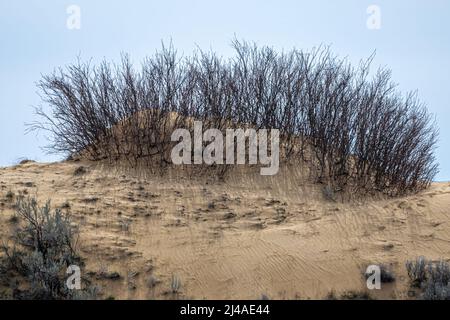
(248, 236)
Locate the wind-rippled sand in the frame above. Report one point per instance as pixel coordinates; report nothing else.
(240, 239)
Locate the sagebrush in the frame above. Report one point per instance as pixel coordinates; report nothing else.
(433, 278)
(43, 247)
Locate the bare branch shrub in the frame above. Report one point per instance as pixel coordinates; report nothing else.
(358, 133)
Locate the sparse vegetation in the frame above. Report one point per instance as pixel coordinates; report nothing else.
(25, 161)
(43, 247)
(14, 219)
(125, 225)
(348, 295)
(328, 193)
(417, 271)
(331, 295)
(79, 171)
(355, 295)
(152, 281)
(109, 275)
(387, 275)
(264, 297)
(10, 195)
(356, 132)
(175, 285)
(433, 278)
(65, 205)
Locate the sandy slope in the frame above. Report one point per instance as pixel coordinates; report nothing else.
(242, 238)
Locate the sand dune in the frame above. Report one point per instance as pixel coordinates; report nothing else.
(243, 238)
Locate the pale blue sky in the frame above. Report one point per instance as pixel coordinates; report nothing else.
(413, 41)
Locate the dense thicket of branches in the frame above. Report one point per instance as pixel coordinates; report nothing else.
(353, 129)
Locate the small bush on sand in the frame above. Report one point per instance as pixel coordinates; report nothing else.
(10, 195)
(355, 295)
(175, 284)
(433, 278)
(152, 281)
(417, 271)
(328, 193)
(436, 291)
(44, 245)
(437, 286)
(80, 171)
